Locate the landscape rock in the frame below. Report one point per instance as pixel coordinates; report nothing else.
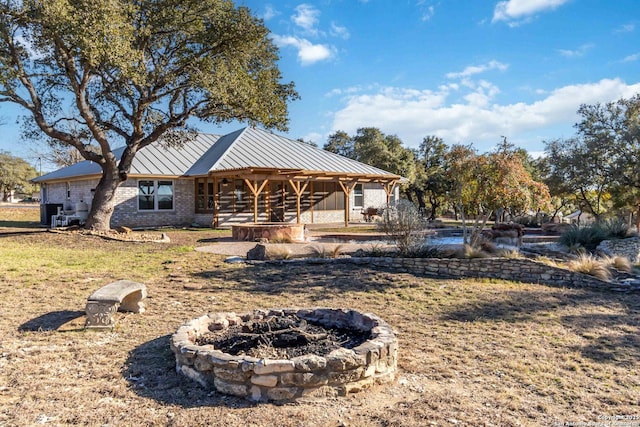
(258, 253)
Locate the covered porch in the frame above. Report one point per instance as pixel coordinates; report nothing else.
(266, 195)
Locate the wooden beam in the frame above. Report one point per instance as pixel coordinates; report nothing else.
(298, 189)
(216, 195)
(388, 188)
(347, 187)
(255, 190)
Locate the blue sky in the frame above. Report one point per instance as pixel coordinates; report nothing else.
(468, 71)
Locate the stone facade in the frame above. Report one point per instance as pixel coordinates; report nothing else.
(629, 248)
(341, 372)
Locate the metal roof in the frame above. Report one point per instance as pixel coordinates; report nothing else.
(247, 148)
(155, 159)
(256, 148)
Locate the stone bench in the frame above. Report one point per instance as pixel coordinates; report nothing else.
(123, 295)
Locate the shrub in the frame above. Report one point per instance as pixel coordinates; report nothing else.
(586, 237)
(425, 251)
(468, 251)
(620, 263)
(590, 265)
(615, 228)
(510, 254)
(403, 223)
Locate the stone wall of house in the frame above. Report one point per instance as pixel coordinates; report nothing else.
(629, 248)
(519, 270)
(127, 214)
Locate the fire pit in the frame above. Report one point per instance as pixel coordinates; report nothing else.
(276, 355)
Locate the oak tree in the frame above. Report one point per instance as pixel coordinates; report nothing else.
(130, 72)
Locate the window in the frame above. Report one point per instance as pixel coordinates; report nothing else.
(358, 196)
(155, 195)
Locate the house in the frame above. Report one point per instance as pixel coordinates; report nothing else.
(579, 218)
(250, 175)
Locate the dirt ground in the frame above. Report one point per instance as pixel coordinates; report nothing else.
(472, 353)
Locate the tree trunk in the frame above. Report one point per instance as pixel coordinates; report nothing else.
(103, 202)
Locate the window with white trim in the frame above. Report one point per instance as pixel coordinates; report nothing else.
(358, 196)
(155, 195)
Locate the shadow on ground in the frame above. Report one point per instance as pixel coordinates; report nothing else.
(313, 279)
(618, 348)
(50, 321)
(151, 371)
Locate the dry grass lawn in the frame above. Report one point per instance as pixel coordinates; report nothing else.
(472, 353)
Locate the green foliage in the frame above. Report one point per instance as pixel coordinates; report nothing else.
(15, 174)
(591, 236)
(119, 72)
(371, 146)
(615, 228)
(583, 237)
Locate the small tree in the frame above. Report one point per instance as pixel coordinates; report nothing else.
(402, 222)
(15, 175)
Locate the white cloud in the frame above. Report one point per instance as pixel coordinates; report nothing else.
(316, 137)
(428, 13)
(477, 69)
(269, 12)
(306, 17)
(513, 10)
(475, 118)
(626, 28)
(308, 53)
(339, 31)
(631, 58)
(581, 51)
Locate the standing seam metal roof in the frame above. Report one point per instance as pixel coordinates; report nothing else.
(245, 148)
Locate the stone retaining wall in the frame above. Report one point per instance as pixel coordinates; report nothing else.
(518, 269)
(341, 372)
(629, 248)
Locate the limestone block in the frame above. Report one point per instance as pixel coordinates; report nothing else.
(346, 376)
(306, 379)
(266, 366)
(194, 375)
(265, 380)
(236, 375)
(342, 359)
(230, 388)
(309, 362)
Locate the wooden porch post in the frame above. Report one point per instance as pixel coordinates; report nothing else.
(298, 189)
(216, 195)
(388, 188)
(255, 190)
(347, 187)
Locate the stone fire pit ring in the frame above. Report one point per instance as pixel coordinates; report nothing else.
(341, 372)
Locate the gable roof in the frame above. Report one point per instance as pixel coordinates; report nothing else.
(247, 148)
(252, 148)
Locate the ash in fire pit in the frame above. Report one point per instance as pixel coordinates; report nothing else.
(287, 354)
(283, 337)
